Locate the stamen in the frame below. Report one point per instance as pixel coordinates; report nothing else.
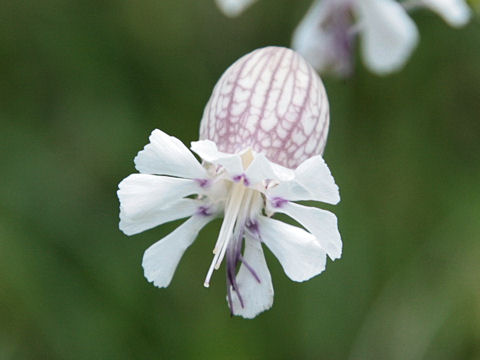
(231, 213)
(245, 205)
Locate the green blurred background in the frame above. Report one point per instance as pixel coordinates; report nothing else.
(82, 85)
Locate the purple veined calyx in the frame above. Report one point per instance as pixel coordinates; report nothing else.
(262, 136)
(272, 101)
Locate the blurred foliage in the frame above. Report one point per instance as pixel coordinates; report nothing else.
(83, 83)
(475, 4)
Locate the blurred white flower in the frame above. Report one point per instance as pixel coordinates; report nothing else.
(262, 133)
(388, 35)
(325, 37)
(233, 7)
(455, 12)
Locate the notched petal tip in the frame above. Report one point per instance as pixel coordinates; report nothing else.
(313, 181)
(167, 155)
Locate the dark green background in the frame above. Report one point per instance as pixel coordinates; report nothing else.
(83, 83)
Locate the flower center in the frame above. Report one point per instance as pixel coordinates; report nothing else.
(238, 211)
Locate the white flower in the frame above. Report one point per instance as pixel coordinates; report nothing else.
(243, 186)
(233, 7)
(388, 34)
(325, 37)
(455, 12)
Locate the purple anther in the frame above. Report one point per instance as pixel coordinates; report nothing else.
(278, 202)
(203, 182)
(203, 210)
(238, 178)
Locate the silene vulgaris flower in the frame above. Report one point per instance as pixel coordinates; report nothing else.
(261, 138)
(388, 35)
(327, 34)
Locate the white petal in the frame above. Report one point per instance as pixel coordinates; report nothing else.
(233, 7)
(166, 155)
(321, 223)
(259, 170)
(256, 296)
(282, 173)
(161, 259)
(208, 151)
(135, 223)
(454, 12)
(315, 176)
(262, 169)
(141, 194)
(298, 251)
(389, 35)
(308, 38)
(313, 181)
(313, 41)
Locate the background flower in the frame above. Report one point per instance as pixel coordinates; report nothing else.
(387, 33)
(233, 7)
(326, 35)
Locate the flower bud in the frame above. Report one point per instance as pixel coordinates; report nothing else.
(273, 101)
